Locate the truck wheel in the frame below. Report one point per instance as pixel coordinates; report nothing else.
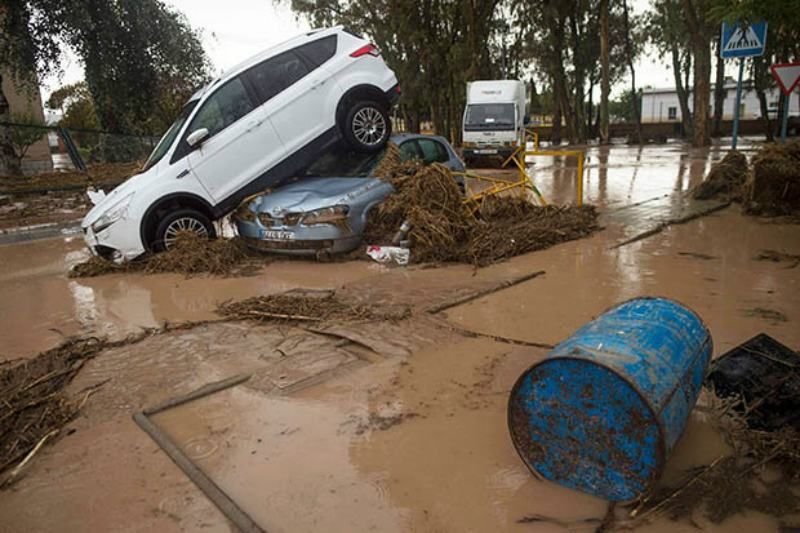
(367, 126)
(177, 222)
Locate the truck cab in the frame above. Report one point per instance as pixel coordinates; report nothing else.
(494, 118)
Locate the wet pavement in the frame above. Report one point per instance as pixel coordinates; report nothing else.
(384, 426)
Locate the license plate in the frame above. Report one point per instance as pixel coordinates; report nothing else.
(486, 151)
(271, 235)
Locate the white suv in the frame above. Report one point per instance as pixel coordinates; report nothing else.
(254, 127)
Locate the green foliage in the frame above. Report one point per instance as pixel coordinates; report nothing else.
(621, 109)
(26, 131)
(142, 60)
(76, 105)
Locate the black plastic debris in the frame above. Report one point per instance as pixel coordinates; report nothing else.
(766, 375)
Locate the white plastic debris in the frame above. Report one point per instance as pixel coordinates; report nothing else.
(95, 195)
(388, 254)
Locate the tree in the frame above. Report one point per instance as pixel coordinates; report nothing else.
(629, 54)
(668, 32)
(605, 69)
(26, 131)
(701, 30)
(76, 106)
(134, 52)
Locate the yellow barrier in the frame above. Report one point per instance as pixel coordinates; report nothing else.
(525, 181)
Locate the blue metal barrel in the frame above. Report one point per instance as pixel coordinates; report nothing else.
(603, 411)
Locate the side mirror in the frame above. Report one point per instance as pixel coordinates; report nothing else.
(526, 120)
(197, 137)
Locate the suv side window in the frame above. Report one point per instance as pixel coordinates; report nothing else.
(319, 51)
(433, 152)
(409, 151)
(274, 75)
(227, 105)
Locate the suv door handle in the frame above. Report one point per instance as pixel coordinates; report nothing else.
(317, 83)
(254, 124)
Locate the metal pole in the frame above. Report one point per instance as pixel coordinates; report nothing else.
(738, 104)
(787, 101)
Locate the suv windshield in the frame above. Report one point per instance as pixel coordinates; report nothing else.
(489, 117)
(169, 137)
(343, 164)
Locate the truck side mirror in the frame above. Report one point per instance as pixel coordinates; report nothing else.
(197, 137)
(526, 120)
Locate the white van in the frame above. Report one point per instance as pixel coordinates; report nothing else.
(254, 127)
(494, 118)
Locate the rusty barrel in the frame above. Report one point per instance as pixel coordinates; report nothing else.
(603, 411)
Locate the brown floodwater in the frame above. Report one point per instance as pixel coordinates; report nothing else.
(403, 428)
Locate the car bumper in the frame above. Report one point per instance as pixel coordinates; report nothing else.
(299, 240)
(489, 151)
(115, 242)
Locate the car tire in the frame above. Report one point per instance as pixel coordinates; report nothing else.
(181, 220)
(367, 127)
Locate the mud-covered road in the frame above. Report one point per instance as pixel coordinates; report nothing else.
(390, 426)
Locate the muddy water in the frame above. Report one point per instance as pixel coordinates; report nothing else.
(708, 265)
(40, 304)
(409, 439)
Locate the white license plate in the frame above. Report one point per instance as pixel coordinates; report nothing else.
(271, 235)
(486, 151)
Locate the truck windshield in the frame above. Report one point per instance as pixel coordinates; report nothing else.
(169, 137)
(489, 117)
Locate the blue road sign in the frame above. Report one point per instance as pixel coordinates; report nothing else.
(743, 40)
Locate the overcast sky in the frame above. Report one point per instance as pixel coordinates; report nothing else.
(233, 30)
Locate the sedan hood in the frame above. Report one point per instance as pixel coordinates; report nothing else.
(315, 193)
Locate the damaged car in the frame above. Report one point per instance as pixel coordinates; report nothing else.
(254, 127)
(324, 211)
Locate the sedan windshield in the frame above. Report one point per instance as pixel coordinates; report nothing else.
(169, 137)
(343, 163)
(489, 117)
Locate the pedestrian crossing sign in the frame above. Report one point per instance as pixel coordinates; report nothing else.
(742, 39)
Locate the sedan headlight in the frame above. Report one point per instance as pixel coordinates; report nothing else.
(112, 215)
(328, 215)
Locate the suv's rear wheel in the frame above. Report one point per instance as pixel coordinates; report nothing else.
(367, 126)
(182, 221)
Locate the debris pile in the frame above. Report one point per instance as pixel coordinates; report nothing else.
(513, 226)
(726, 179)
(325, 307)
(192, 255)
(736, 482)
(35, 407)
(774, 186)
(100, 175)
(444, 230)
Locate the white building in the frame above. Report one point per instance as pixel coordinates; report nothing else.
(661, 105)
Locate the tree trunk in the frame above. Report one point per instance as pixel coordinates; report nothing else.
(637, 110)
(761, 83)
(719, 93)
(701, 46)
(8, 159)
(605, 68)
(555, 130)
(683, 95)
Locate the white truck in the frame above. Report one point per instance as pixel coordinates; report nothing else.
(494, 118)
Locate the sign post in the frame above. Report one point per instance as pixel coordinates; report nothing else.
(788, 77)
(741, 40)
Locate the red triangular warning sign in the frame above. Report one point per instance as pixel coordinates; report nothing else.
(787, 76)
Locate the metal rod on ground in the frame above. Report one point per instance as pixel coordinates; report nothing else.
(787, 102)
(217, 496)
(738, 107)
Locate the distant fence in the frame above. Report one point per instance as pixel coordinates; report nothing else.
(57, 148)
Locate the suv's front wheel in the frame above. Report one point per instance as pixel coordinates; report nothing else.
(179, 222)
(367, 126)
